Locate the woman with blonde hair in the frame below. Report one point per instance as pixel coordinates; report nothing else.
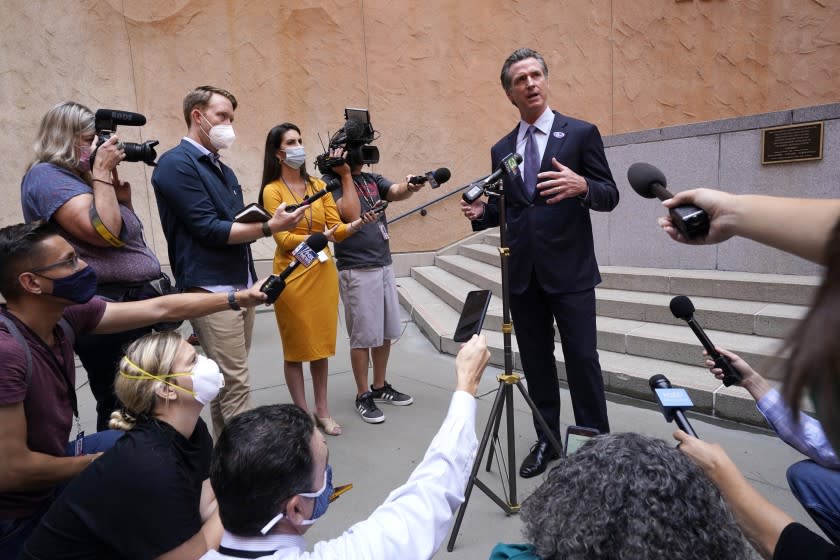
(307, 310)
(148, 496)
(72, 182)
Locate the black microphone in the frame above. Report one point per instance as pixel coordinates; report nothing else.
(650, 182)
(331, 186)
(115, 117)
(275, 283)
(435, 179)
(509, 165)
(675, 414)
(682, 308)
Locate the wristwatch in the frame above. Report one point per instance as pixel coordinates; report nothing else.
(266, 230)
(232, 300)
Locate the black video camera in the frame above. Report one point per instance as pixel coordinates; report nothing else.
(106, 124)
(355, 137)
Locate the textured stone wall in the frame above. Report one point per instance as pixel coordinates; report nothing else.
(428, 71)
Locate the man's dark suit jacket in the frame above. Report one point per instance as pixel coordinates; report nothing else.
(554, 240)
(197, 202)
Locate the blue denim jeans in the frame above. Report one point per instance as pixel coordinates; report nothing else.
(14, 532)
(818, 490)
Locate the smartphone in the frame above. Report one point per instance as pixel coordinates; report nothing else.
(576, 436)
(472, 315)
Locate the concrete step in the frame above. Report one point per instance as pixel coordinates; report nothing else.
(675, 343)
(747, 286)
(746, 317)
(623, 373)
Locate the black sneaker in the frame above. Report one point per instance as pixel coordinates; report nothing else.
(368, 410)
(388, 394)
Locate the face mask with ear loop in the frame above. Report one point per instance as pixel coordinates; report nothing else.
(207, 379)
(220, 135)
(322, 502)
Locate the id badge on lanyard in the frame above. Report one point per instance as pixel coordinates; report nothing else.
(80, 438)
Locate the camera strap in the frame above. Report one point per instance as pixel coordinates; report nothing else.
(102, 230)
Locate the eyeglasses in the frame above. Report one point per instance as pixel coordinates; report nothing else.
(72, 262)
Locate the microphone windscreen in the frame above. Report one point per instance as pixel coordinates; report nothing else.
(442, 175)
(682, 308)
(659, 381)
(642, 176)
(354, 129)
(317, 241)
(120, 117)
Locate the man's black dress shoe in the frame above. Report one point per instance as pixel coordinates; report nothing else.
(537, 460)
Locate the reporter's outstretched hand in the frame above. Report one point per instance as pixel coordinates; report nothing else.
(252, 296)
(286, 221)
(708, 456)
(470, 363)
(720, 207)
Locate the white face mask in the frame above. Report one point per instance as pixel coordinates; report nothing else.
(220, 135)
(206, 377)
(295, 157)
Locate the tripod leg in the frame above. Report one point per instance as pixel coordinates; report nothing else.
(495, 414)
(546, 430)
(511, 446)
(493, 439)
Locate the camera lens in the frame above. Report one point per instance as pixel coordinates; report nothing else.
(144, 152)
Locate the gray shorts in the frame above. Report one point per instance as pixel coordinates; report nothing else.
(371, 309)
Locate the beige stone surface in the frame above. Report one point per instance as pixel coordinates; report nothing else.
(428, 71)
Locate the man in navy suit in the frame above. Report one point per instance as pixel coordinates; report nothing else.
(553, 271)
(198, 197)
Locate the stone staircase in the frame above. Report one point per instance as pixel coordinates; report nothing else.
(637, 335)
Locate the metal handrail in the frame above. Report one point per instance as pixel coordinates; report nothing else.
(423, 206)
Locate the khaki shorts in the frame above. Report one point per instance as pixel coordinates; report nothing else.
(371, 310)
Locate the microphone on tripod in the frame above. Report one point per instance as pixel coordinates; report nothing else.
(682, 308)
(673, 401)
(509, 164)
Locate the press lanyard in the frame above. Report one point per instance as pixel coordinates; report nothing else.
(298, 202)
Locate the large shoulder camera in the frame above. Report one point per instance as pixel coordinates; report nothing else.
(106, 121)
(355, 137)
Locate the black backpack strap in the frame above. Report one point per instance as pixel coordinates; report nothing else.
(15, 332)
(68, 331)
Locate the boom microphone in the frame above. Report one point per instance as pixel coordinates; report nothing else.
(307, 200)
(306, 253)
(682, 308)
(509, 165)
(118, 117)
(671, 411)
(436, 179)
(650, 182)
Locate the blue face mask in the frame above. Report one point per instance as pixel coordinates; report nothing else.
(322, 502)
(79, 287)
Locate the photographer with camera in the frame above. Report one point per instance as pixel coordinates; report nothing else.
(72, 181)
(366, 277)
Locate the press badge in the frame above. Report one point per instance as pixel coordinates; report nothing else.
(80, 439)
(384, 231)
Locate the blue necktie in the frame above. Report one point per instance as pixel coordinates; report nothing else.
(532, 162)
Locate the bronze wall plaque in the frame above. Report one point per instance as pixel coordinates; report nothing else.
(795, 142)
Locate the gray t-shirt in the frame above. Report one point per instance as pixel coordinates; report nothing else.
(366, 248)
(47, 187)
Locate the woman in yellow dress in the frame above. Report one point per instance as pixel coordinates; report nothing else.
(307, 309)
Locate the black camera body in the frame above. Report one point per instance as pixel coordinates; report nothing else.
(355, 137)
(106, 121)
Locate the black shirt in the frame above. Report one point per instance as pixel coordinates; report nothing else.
(139, 500)
(796, 542)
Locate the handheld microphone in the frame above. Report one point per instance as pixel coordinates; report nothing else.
(650, 182)
(673, 402)
(682, 308)
(435, 179)
(509, 165)
(305, 253)
(332, 186)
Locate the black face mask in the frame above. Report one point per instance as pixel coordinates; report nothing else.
(79, 287)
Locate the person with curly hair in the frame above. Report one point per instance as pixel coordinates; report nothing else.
(627, 496)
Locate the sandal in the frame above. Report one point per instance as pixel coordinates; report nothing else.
(328, 425)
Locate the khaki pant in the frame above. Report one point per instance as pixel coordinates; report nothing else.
(226, 339)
